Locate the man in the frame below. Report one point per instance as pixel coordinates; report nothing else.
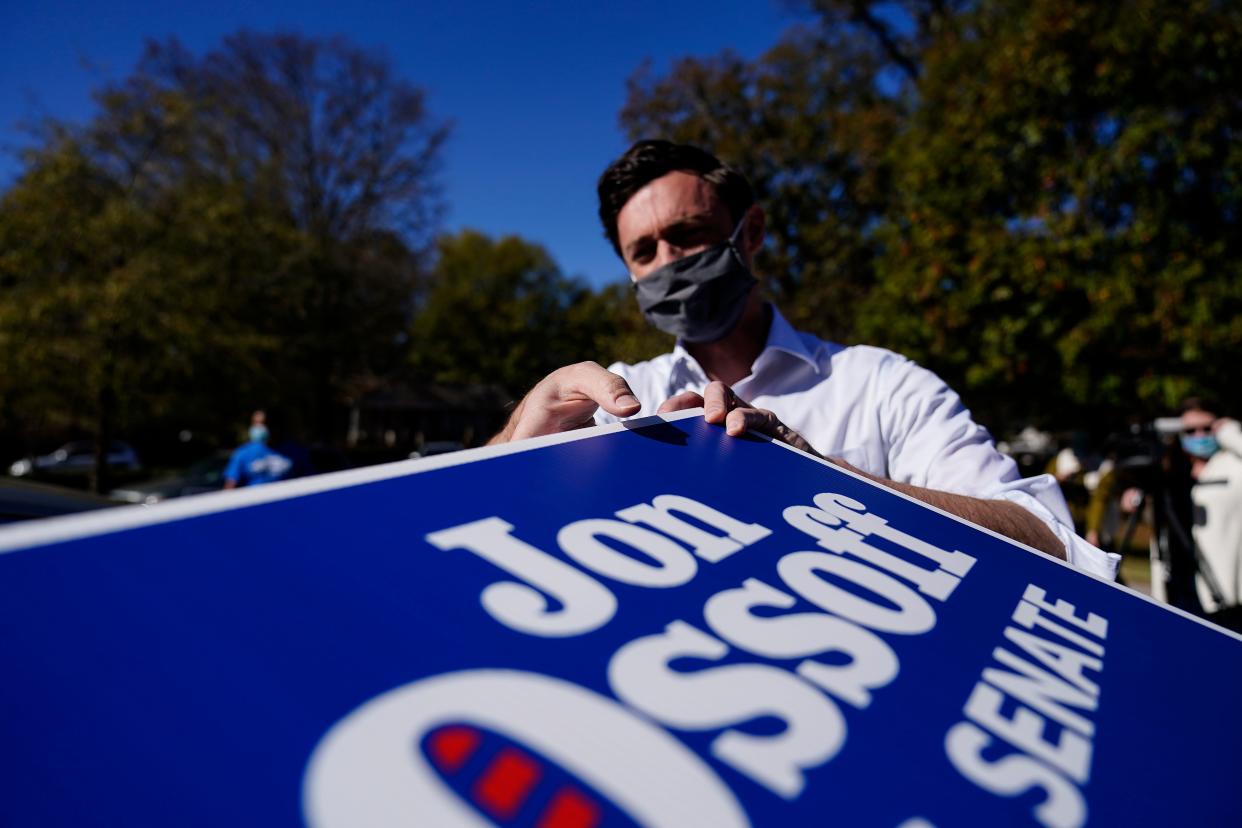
(687, 228)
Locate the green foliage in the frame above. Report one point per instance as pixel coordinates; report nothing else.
(617, 328)
(233, 231)
(501, 312)
(1039, 200)
(1066, 211)
(112, 312)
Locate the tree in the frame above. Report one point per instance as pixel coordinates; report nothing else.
(1021, 195)
(1066, 211)
(114, 313)
(498, 311)
(807, 126)
(318, 126)
(325, 132)
(233, 230)
(810, 122)
(615, 328)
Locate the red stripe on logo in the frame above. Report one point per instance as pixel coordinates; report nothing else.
(507, 781)
(450, 747)
(570, 809)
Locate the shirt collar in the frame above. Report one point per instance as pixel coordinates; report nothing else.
(781, 337)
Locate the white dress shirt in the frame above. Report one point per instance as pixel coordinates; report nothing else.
(877, 411)
(1217, 496)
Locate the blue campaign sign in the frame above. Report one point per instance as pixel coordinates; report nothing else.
(652, 624)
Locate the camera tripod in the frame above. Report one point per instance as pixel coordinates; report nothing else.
(1174, 545)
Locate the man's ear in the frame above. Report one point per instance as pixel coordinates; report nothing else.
(756, 223)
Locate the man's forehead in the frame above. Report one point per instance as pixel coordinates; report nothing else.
(673, 197)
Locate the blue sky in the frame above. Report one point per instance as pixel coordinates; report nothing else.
(533, 88)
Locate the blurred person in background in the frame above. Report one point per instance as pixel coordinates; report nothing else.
(1102, 518)
(1070, 466)
(254, 463)
(687, 228)
(1213, 446)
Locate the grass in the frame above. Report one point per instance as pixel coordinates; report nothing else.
(1136, 572)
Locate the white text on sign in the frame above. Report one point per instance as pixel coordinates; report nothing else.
(1047, 680)
(867, 579)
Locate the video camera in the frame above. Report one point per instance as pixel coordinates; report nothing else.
(1143, 456)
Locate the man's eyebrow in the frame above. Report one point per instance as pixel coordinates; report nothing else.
(632, 246)
(691, 221)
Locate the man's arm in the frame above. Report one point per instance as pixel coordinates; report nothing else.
(1008, 519)
(567, 399)
(722, 407)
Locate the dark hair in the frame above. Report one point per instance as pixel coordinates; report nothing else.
(1206, 404)
(648, 160)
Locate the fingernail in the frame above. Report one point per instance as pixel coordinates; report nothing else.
(627, 399)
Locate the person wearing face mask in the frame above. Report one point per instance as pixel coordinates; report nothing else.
(687, 228)
(1213, 446)
(255, 463)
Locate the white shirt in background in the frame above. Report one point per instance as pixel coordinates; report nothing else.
(1217, 497)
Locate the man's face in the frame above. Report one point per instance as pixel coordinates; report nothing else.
(674, 216)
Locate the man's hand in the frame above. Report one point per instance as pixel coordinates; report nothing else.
(723, 407)
(567, 399)
(1221, 422)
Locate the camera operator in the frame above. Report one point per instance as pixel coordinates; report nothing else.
(1213, 447)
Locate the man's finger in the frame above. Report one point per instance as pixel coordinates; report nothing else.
(760, 420)
(684, 400)
(600, 385)
(718, 401)
(742, 420)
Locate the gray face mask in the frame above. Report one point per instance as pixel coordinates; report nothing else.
(701, 297)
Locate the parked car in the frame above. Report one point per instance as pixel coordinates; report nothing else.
(437, 447)
(23, 500)
(204, 476)
(77, 459)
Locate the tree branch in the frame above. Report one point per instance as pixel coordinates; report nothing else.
(860, 13)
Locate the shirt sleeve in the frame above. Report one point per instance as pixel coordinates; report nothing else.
(1229, 437)
(1041, 496)
(933, 442)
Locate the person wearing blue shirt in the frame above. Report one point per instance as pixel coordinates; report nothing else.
(255, 463)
